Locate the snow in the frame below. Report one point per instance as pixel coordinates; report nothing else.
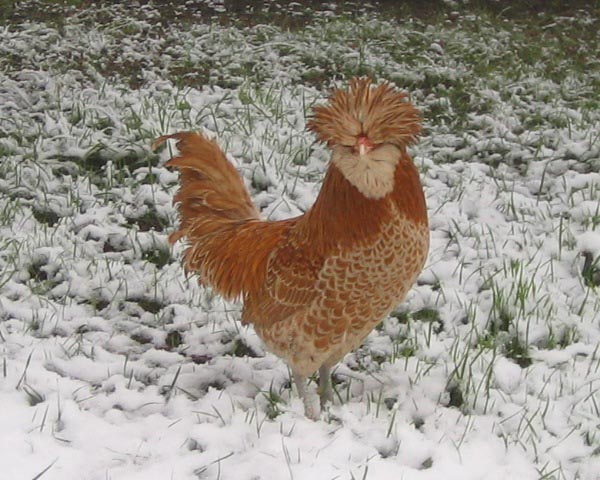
(114, 364)
(590, 241)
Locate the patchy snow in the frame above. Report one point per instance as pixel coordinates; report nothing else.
(114, 365)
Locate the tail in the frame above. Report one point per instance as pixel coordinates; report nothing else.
(228, 244)
(210, 184)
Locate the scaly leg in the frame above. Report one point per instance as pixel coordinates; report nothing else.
(309, 407)
(325, 389)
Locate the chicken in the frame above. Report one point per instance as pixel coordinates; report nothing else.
(313, 286)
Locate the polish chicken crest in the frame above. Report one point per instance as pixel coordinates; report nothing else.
(313, 286)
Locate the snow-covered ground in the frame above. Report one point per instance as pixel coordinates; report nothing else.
(113, 365)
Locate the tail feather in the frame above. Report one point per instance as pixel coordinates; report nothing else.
(209, 182)
(228, 244)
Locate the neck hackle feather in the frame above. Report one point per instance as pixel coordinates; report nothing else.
(380, 113)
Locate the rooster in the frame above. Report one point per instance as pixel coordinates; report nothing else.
(313, 286)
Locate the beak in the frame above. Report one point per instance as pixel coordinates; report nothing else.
(364, 144)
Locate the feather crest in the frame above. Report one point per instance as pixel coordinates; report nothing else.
(380, 113)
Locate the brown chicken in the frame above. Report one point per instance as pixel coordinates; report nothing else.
(314, 286)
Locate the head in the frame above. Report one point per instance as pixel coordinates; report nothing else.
(368, 129)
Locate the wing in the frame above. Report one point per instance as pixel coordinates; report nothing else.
(291, 282)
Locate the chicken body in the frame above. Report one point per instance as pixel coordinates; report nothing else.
(314, 286)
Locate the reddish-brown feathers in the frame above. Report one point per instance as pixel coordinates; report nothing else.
(228, 246)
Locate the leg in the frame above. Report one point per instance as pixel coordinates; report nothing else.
(309, 407)
(325, 390)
